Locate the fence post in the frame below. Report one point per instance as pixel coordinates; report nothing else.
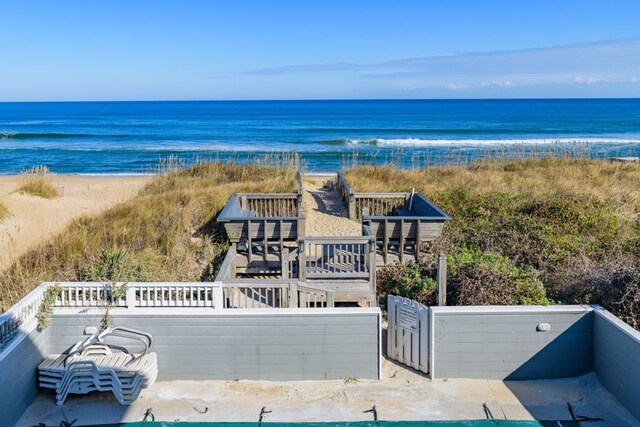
(293, 295)
(372, 265)
(442, 279)
(218, 296)
(130, 297)
(301, 225)
(331, 302)
(302, 261)
(284, 262)
(352, 207)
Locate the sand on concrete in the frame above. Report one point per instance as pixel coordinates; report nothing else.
(33, 220)
(401, 395)
(325, 212)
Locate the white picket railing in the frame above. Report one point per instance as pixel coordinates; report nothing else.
(215, 295)
(27, 308)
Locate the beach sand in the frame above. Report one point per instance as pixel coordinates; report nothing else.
(325, 212)
(33, 220)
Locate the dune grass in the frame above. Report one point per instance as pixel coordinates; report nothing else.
(545, 231)
(4, 212)
(166, 233)
(36, 181)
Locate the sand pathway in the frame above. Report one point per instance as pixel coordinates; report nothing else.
(325, 212)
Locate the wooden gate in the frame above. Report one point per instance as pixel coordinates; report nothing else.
(408, 332)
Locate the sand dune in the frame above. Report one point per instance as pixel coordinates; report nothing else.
(33, 220)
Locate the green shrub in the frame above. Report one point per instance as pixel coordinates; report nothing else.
(484, 278)
(415, 280)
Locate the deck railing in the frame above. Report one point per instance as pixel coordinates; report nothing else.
(272, 204)
(251, 294)
(312, 297)
(378, 204)
(27, 308)
(138, 294)
(337, 258)
(368, 204)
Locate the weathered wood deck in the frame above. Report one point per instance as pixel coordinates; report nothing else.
(325, 236)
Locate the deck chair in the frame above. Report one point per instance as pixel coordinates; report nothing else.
(93, 365)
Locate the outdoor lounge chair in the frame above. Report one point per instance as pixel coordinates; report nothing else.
(93, 365)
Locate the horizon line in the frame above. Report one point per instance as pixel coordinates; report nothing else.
(322, 100)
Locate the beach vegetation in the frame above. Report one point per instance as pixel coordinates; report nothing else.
(36, 181)
(526, 231)
(46, 307)
(523, 231)
(4, 212)
(167, 233)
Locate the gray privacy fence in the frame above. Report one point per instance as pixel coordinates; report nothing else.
(518, 343)
(207, 344)
(251, 344)
(511, 343)
(617, 358)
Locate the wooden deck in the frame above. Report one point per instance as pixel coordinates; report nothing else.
(324, 237)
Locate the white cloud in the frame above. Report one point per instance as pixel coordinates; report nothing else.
(497, 83)
(453, 86)
(490, 84)
(587, 80)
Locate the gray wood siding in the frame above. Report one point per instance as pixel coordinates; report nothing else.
(260, 347)
(507, 345)
(18, 376)
(617, 359)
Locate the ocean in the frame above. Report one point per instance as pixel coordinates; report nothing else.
(136, 137)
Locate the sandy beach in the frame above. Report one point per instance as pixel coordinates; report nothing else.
(32, 220)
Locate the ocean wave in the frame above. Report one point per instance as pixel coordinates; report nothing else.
(416, 142)
(49, 135)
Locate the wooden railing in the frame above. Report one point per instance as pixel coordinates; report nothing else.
(348, 196)
(368, 204)
(337, 258)
(272, 204)
(378, 204)
(138, 294)
(251, 294)
(131, 295)
(312, 297)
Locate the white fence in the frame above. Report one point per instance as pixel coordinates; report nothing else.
(214, 295)
(408, 333)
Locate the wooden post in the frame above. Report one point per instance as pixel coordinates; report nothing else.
(293, 295)
(302, 261)
(442, 279)
(372, 266)
(284, 261)
(265, 242)
(130, 297)
(352, 207)
(218, 296)
(301, 226)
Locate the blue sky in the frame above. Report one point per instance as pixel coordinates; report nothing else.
(147, 50)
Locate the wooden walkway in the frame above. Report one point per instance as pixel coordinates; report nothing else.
(325, 211)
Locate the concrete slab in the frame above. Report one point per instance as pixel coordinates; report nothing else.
(401, 395)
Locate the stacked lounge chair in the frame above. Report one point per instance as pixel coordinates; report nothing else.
(92, 365)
